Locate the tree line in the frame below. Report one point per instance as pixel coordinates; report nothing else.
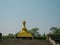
(34, 32)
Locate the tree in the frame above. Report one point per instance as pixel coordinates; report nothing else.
(44, 36)
(0, 35)
(10, 35)
(5, 37)
(34, 32)
(55, 30)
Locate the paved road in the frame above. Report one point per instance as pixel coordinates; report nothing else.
(24, 42)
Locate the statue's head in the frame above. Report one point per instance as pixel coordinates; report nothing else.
(24, 23)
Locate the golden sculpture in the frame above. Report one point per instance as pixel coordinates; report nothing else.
(24, 32)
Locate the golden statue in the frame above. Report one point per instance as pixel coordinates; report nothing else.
(24, 32)
(24, 26)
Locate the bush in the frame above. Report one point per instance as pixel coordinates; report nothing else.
(5, 37)
(40, 38)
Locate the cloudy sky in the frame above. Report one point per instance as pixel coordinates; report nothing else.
(43, 14)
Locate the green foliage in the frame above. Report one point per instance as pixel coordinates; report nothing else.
(9, 36)
(5, 37)
(0, 35)
(44, 36)
(55, 30)
(34, 32)
(16, 34)
(40, 38)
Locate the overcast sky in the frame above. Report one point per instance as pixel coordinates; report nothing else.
(43, 14)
